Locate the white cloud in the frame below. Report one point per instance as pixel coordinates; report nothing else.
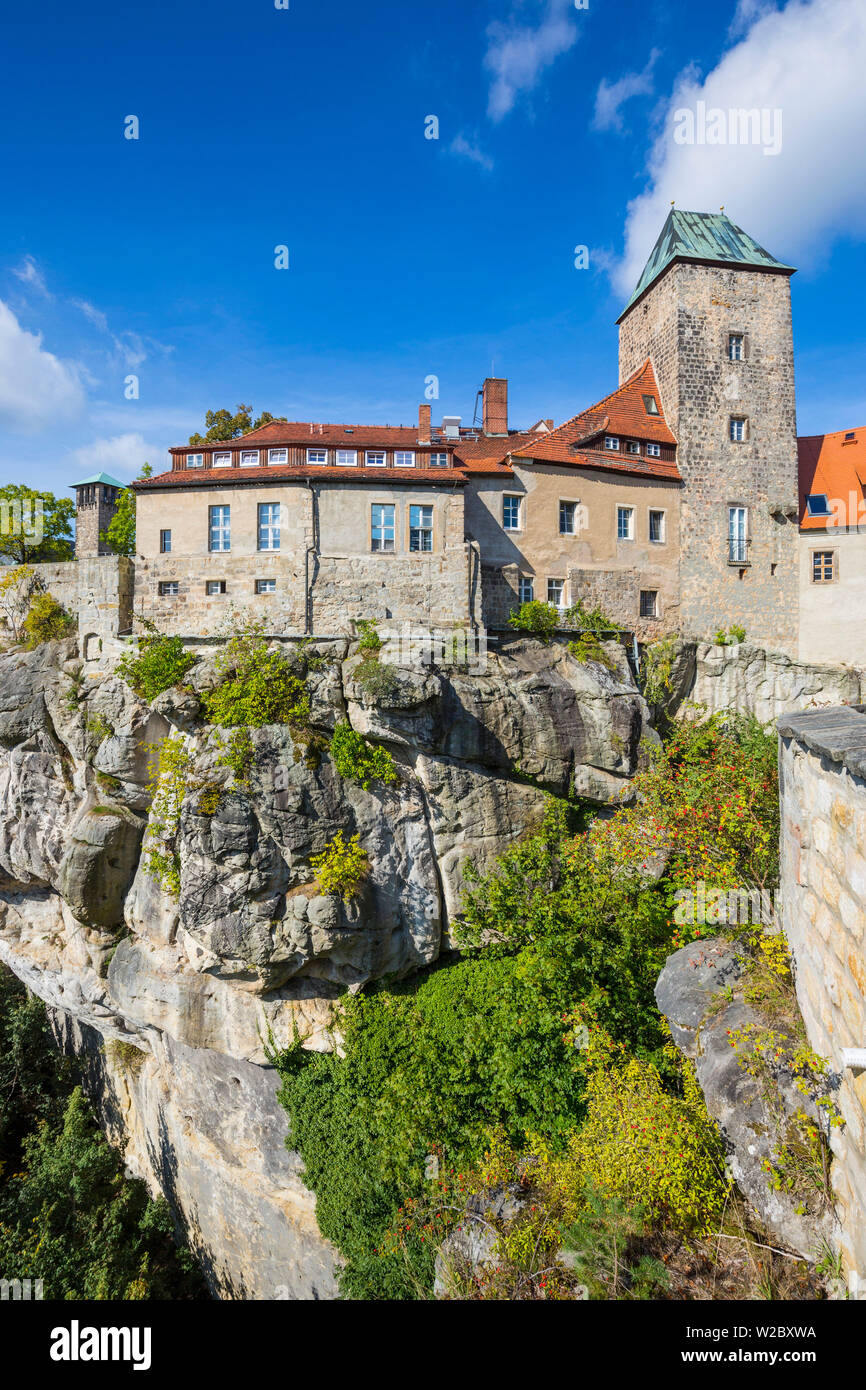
(37, 390)
(91, 312)
(806, 61)
(517, 54)
(611, 96)
(30, 274)
(469, 150)
(121, 455)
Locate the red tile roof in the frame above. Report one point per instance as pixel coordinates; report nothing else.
(835, 465)
(282, 433)
(622, 413)
(275, 473)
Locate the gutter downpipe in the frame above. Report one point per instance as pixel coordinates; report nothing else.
(311, 550)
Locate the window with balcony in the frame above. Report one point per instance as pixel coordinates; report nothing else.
(382, 526)
(511, 512)
(656, 526)
(219, 528)
(269, 526)
(165, 542)
(738, 535)
(568, 518)
(421, 528)
(625, 523)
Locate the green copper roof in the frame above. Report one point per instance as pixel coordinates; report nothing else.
(99, 478)
(702, 236)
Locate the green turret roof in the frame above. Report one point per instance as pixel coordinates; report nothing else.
(710, 237)
(99, 478)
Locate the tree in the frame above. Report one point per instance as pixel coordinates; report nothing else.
(222, 425)
(119, 535)
(34, 526)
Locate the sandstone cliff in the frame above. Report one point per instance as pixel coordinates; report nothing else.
(171, 999)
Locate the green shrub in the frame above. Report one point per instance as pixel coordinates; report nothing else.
(359, 761)
(342, 868)
(46, 621)
(257, 686)
(588, 619)
(587, 647)
(368, 637)
(376, 678)
(541, 619)
(160, 663)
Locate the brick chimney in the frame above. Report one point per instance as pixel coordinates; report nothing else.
(424, 424)
(495, 403)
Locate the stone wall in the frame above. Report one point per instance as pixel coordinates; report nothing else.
(98, 589)
(683, 325)
(823, 914)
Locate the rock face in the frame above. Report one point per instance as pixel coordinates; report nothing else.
(757, 681)
(172, 998)
(698, 993)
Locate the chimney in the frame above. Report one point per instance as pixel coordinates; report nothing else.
(495, 403)
(424, 424)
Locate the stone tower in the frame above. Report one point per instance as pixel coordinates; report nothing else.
(96, 503)
(712, 310)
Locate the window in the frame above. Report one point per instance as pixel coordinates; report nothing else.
(735, 347)
(382, 526)
(438, 460)
(195, 460)
(653, 451)
(347, 458)
(511, 512)
(625, 523)
(223, 460)
(249, 458)
(737, 535)
(656, 526)
(611, 441)
(525, 588)
(632, 446)
(278, 455)
(568, 518)
(556, 592)
(738, 429)
(376, 458)
(420, 528)
(404, 458)
(266, 586)
(269, 526)
(317, 456)
(650, 405)
(169, 588)
(214, 586)
(219, 528)
(165, 542)
(823, 566)
(649, 603)
(817, 504)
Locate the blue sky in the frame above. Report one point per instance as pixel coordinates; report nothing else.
(409, 257)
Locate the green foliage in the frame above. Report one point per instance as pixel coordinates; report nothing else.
(658, 664)
(46, 621)
(599, 1242)
(377, 679)
(221, 425)
(238, 755)
(368, 637)
(257, 686)
(67, 1215)
(734, 634)
(539, 619)
(159, 663)
(588, 619)
(587, 647)
(342, 868)
(23, 539)
(99, 728)
(119, 535)
(357, 760)
(169, 779)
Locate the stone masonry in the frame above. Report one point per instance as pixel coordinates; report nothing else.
(823, 913)
(683, 324)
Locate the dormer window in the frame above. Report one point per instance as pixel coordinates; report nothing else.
(317, 456)
(611, 441)
(249, 458)
(278, 455)
(222, 460)
(653, 451)
(195, 460)
(404, 458)
(632, 446)
(650, 405)
(347, 458)
(817, 504)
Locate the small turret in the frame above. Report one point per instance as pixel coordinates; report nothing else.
(96, 503)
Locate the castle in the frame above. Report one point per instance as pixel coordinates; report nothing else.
(672, 503)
